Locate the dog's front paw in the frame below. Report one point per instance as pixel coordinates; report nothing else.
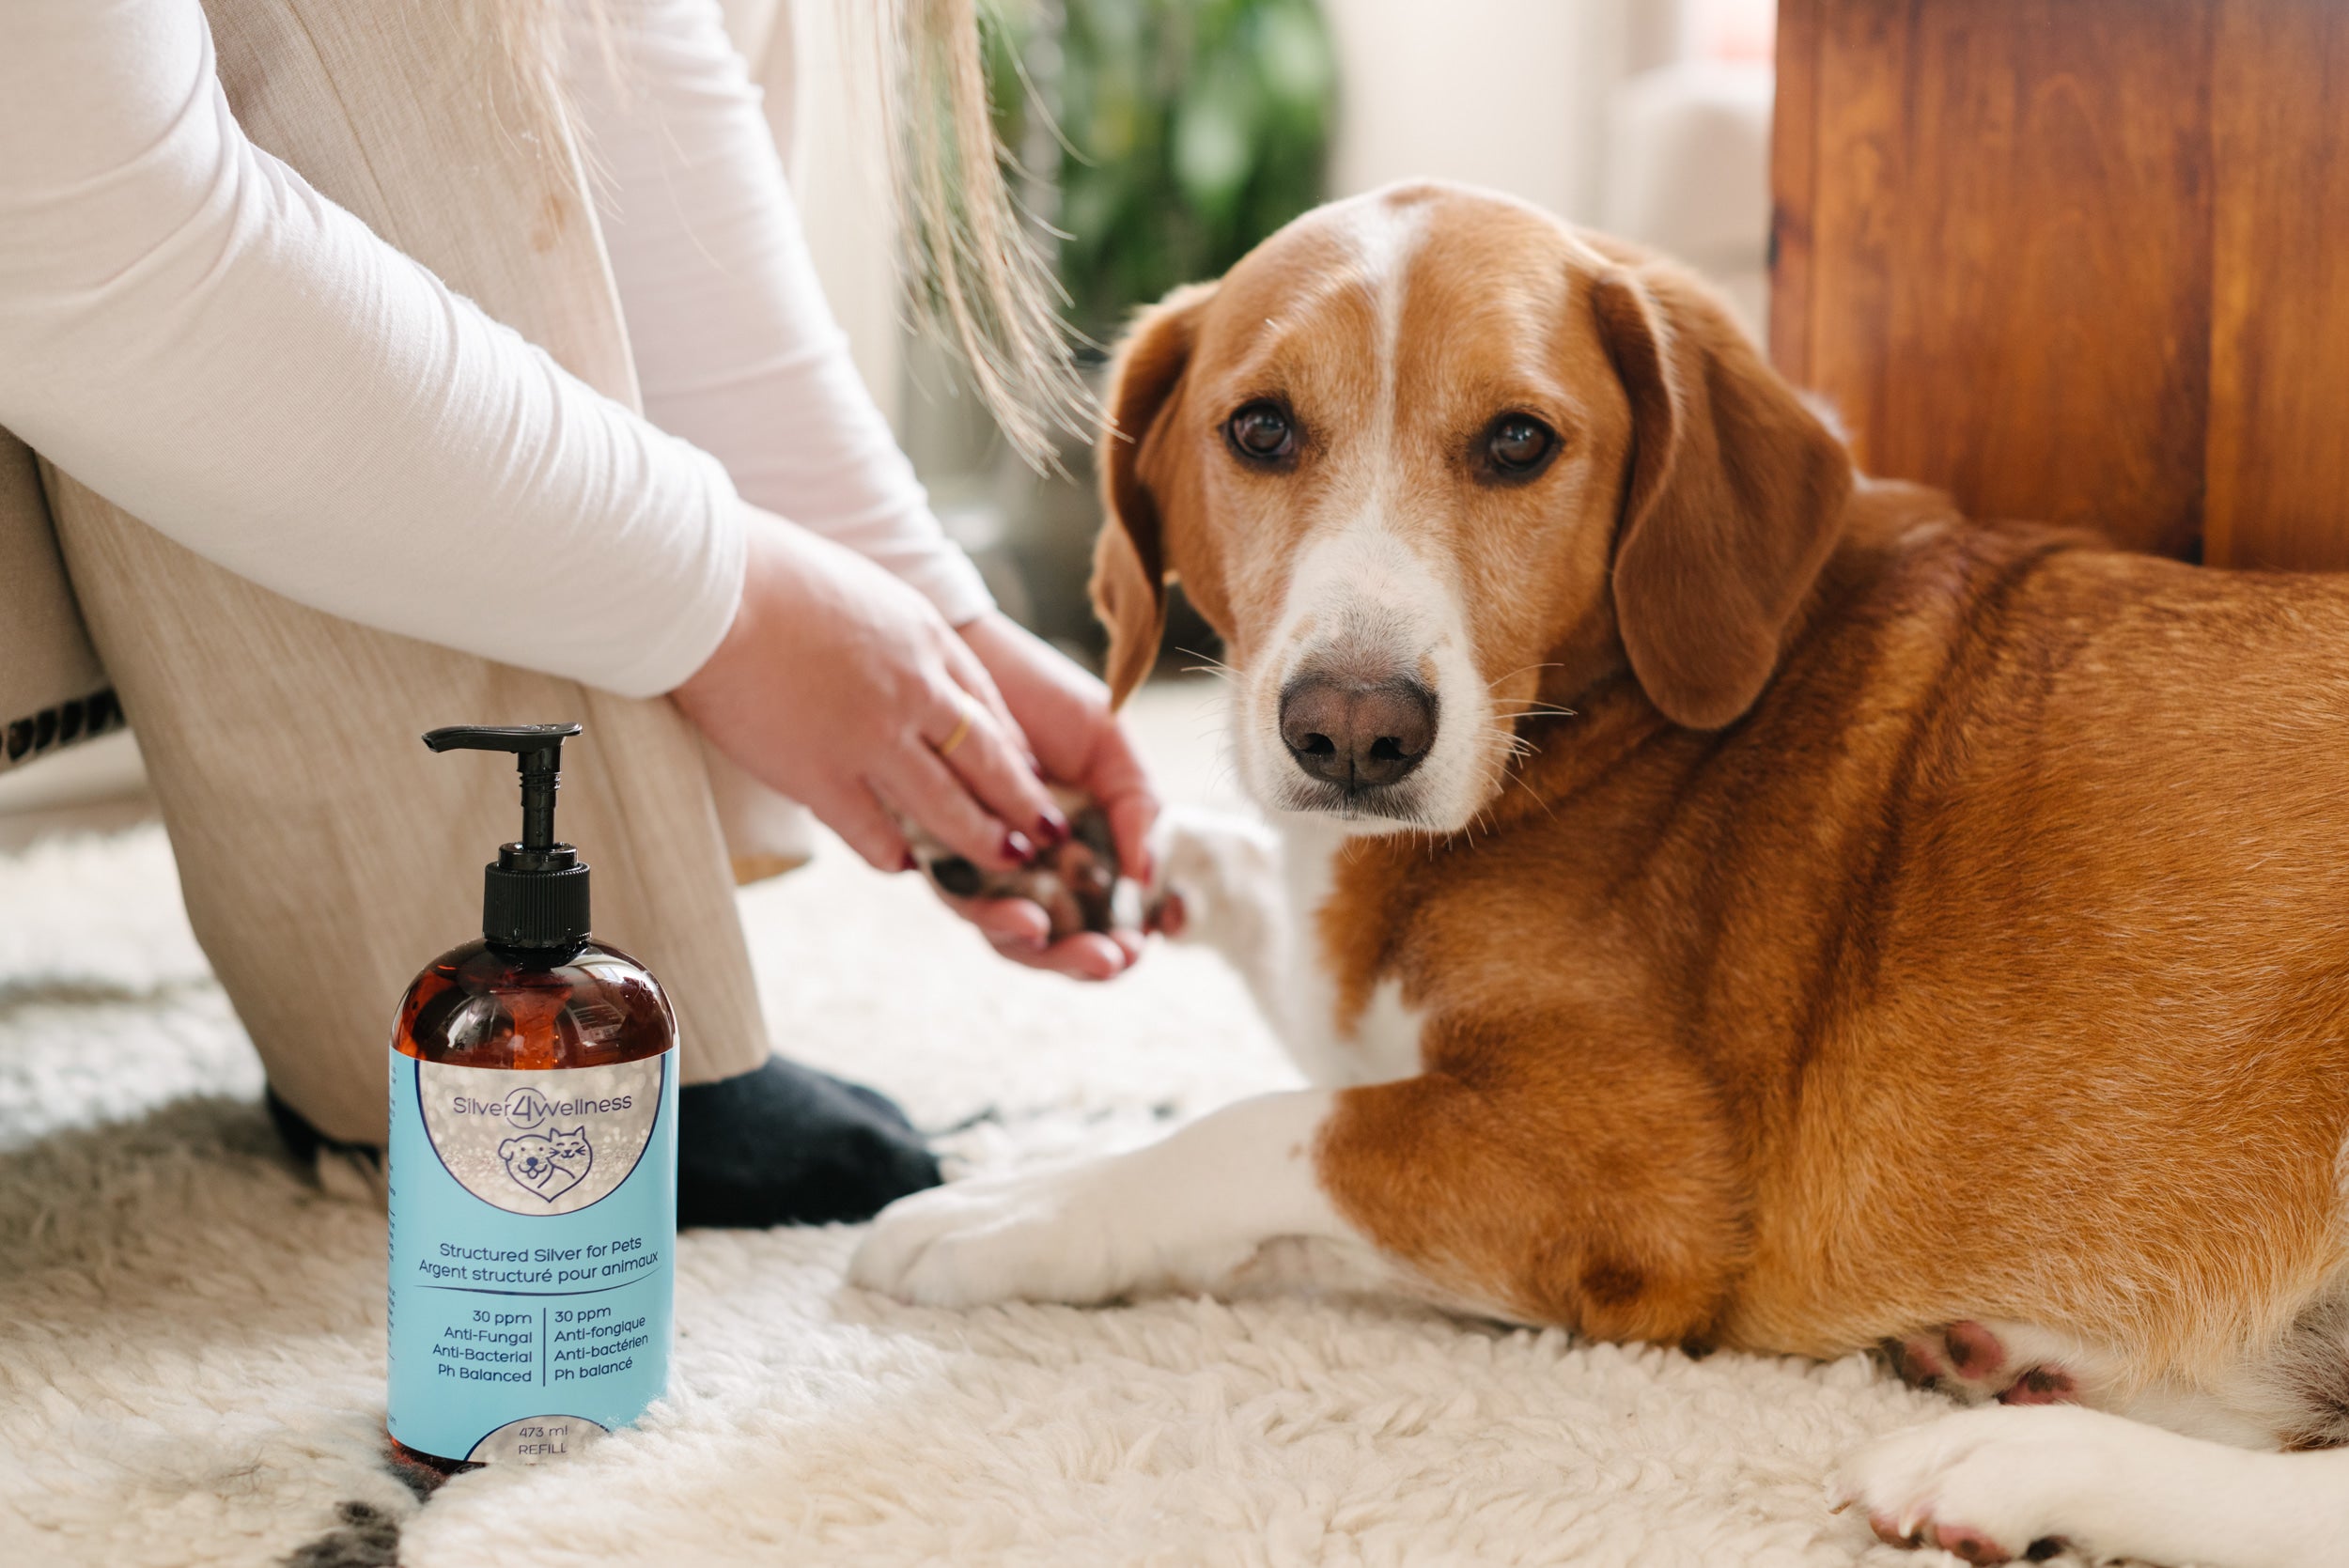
(1989, 1484)
(1215, 878)
(1039, 1236)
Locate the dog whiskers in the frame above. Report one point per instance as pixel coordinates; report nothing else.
(1209, 664)
(1508, 742)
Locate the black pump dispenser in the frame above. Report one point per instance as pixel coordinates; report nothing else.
(535, 895)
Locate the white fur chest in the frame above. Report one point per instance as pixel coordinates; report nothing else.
(1383, 1043)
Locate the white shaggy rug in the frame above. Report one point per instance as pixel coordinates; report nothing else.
(191, 1330)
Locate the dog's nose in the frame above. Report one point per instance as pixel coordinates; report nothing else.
(1350, 733)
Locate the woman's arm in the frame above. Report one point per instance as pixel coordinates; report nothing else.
(192, 330)
(736, 349)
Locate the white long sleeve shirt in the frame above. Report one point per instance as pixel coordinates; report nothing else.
(190, 330)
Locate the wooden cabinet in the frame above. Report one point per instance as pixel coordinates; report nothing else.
(2085, 260)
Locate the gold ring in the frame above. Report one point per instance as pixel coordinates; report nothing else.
(946, 746)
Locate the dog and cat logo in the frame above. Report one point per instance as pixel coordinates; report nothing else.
(532, 1150)
(547, 1164)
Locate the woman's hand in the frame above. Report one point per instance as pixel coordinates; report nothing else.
(837, 685)
(1064, 714)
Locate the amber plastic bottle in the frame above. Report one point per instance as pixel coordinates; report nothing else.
(533, 1163)
(481, 1005)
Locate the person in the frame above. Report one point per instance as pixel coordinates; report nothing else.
(462, 360)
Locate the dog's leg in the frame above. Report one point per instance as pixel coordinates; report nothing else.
(1599, 1189)
(1510, 1198)
(1219, 883)
(1995, 1484)
(1235, 886)
(1187, 1213)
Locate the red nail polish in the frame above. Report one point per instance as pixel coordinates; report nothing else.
(910, 864)
(1051, 828)
(1017, 847)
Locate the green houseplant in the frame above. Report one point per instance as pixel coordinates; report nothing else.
(1163, 138)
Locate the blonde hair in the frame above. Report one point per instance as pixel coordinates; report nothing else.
(975, 274)
(977, 278)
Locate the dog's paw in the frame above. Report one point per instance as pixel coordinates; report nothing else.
(2011, 1363)
(1989, 1484)
(1076, 881)
(1034, 1237)
(1215, 878)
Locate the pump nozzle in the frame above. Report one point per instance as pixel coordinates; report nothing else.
(539, 751)
(535, 895)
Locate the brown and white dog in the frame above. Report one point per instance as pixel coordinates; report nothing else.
(1725, 901)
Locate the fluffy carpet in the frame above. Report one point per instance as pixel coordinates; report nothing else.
(191, 1329)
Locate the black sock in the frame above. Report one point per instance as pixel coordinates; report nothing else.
(303, 1141)
(780, 1145)
(786, 1145)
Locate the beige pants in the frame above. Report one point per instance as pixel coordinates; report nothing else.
(325, 855)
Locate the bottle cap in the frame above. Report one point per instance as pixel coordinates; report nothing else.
(535, 893)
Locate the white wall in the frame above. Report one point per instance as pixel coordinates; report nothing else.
(1581, 106)
(1510, 94)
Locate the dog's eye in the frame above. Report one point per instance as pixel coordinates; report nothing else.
(1520, 443)
(1261, 432)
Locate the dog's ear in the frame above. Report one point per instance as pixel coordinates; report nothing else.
(1732, 500)
(1129, 563)
(505, 1150)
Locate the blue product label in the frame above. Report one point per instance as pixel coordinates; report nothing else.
(532, 1229)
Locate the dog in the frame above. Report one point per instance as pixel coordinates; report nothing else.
(1723, 900)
